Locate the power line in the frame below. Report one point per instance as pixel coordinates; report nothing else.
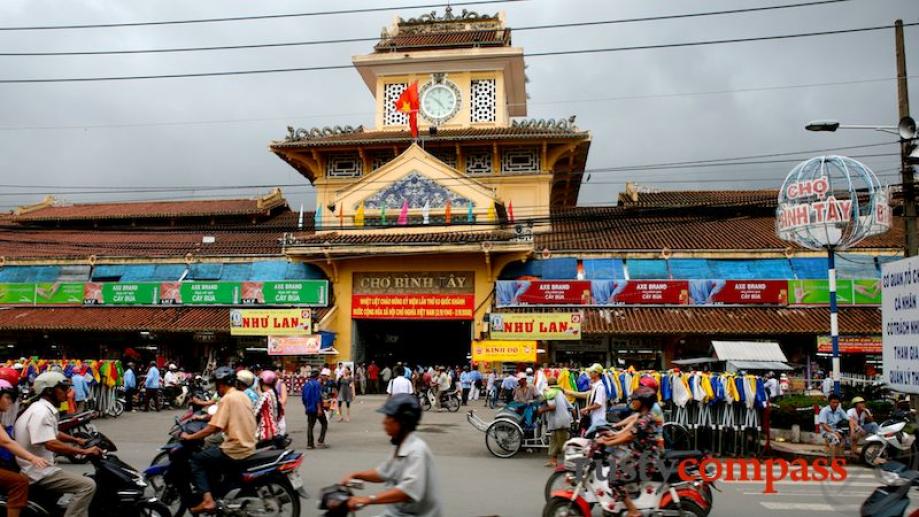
(377, 38)
(531, 103)
(457, 58)
(256, 17)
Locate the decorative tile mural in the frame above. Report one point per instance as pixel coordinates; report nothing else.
(418, 190)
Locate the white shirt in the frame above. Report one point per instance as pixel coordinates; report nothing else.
(400, 385)
(171, 378)
(36, 426)
(597, 396)
(859, 418)
(772, 387)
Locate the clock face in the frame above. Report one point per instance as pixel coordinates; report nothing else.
(439, 102)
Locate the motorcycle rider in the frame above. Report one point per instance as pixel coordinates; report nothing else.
(643, 441)
(409, 475)
(36, 431)
(861, 422)
(15, 485)
(171, 383)
(236, 420)
(246, 380)
(441, 387)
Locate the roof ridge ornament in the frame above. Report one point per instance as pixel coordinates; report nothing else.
(542, 123)
(296, 135)
(448, 16)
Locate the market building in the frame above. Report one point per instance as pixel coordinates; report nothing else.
(431, 249)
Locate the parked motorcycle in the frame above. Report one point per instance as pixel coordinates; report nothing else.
(120, 490)
(265, 483)
(892, 498)
(891, 441)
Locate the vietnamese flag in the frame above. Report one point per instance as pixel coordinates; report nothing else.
(447, 213)
(510, 211)
(408, 103)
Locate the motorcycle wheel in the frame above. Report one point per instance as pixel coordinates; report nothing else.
(558, 480)
(686, 507)
(117, 409)
(153, 509)
(166, 494)
(425, 402)
(503, 439)
(561, 507)
(453, 404)
(270, 497)
(872, 452)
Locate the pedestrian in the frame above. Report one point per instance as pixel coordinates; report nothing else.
(80, 390)
(266, 411)
(315, 409)
(361, 377)
(130, 387)
(409, 475)
(772, 386)
(152, 387)
(508, 385)
(345, 395)
(596, 397)
(373, 375)
(558, 422)
(465, 383)
(281, 389)
(385, 375)
(399, 384)
(476, 383)
(339, 370)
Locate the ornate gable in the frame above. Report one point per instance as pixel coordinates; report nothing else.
(418, 190)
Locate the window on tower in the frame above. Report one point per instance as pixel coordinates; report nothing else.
(484, 100)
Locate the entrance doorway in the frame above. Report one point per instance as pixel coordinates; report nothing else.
(417, 342)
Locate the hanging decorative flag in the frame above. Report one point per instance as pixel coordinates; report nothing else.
(492, 217)
(470, 217)
(426, 212)
(341, 216)
(300, 218)
(510, 211)
(383, 214)
(403, 214)
(408, 103)
(359, 216)
(317, 219)
(447, 212)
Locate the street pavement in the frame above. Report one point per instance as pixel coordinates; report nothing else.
(472, 482)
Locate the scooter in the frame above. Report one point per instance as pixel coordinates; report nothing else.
(78, 425)
(890, 441)
(892, 498)
(120, 490)
(334, 499)
(265, 483)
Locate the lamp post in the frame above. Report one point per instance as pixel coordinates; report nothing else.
(831, 203)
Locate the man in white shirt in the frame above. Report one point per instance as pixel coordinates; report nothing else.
(772, 386)
(171, 379)
(399, 384)
(596, 397)
(441, 385)
(861, 422)
(36, 431)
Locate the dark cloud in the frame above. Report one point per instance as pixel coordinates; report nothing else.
(177, 132)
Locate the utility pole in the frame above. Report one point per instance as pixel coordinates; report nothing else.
(906, 170)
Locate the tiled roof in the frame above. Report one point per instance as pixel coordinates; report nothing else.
(443, 135)
(726, 321)
(382, 239)
(151, 210)
(159, 319)
(720, 198)
(617, 228)
(445, 40)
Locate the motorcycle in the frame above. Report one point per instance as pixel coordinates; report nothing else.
(658, 496)
(266, 482)
(449, 400)
(333, 499)
(892, 498)
(175, 396)
(120, 490)
(78, 425)
(890, 441)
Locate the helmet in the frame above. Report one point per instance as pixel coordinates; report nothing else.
(224, 374)
(18, 366)
(172, 366)
(644, 397)
(404, 408)
(245, 377)
(529, 371)
(6, 387)
(268, 377)
(9, 375)
(648, 382)
(595, 368)
(856, 400)
(326, 372)
(49, 380)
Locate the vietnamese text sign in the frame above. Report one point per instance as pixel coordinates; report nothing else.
(413, 306)
(542, 325)
(511, 293)
(762, 292)
(491, 351)
(270, 322)
(294, 345)
(640, 292)
(433, 282)
(851, 344)
(900, 324)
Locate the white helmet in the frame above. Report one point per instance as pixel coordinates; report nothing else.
(245, 377)
(17, 366)
(49, 380)
(172, 366)
(529, 371)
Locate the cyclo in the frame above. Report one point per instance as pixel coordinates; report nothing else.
(509, 431)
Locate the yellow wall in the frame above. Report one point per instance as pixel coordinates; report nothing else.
(463, 81)
(341, 322)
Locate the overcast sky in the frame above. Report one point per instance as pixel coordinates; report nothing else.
(642, 107)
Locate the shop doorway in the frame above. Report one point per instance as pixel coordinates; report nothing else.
(417, 342)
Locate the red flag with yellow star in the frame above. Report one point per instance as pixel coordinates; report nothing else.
(408, 103)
